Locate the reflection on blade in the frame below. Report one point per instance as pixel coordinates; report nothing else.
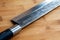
(36, 12)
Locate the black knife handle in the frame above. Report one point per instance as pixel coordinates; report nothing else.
(5, 35)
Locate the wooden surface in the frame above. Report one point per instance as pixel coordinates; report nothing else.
(46, 28)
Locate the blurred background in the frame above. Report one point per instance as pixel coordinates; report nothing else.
(46, 28)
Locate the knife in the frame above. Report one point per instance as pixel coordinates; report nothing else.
(28, 17)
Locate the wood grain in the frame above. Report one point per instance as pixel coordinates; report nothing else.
(46, 28)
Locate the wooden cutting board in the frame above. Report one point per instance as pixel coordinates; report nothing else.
(46, 28)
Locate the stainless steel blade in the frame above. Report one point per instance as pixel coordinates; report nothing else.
(33, 14)
(36, 12)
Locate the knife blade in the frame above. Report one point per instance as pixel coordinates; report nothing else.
(28, 17)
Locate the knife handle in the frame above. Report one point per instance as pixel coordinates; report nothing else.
(5, 35)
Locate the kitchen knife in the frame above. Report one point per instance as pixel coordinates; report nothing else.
(28, 17)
